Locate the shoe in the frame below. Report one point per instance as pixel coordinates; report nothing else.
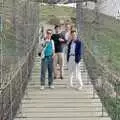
(69, 86)
(66, 69)
(51, 86)
(61, 77)
(42, 87)
(79, 88)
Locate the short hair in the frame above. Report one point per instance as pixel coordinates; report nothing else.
(72, 31)
(49, 30)
(57, 26)
(67, 24)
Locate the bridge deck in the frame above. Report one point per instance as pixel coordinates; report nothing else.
(60, 103)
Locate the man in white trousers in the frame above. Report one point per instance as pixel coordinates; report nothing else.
(73, 59)
(66, 34)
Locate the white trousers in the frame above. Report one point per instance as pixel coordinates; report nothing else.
(65, 54)
(74, 69)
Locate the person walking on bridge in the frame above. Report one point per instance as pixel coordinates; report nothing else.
(66, 34)
(73, 59)
(47, 56)
(58, 41)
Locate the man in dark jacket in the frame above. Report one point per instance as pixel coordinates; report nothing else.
(59, 59)
(74, 58)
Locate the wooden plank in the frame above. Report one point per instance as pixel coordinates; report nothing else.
(89, 118)
(60, 103)
(62, 114)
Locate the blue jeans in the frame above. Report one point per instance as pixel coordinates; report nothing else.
(47, 63)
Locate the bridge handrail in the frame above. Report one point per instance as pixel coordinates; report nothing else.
(103, 66)
(21, 64)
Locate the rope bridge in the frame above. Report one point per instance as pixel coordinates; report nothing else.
(19, 32)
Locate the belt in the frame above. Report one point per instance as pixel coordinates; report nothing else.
(48, 56)
(72, 54)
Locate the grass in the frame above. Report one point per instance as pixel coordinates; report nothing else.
(107, 42)
(113, 106)
(58, 11)
(103, 40)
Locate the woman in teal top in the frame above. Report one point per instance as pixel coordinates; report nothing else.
(47, 60)
(48, 48)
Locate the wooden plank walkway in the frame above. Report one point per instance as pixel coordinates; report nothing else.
(60, 103)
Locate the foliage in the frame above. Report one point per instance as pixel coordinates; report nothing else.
(53, 20)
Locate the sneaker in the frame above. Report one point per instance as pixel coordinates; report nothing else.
(42, 87)
(79, 88)
(61, 77)
(51, 86)
(69, 86)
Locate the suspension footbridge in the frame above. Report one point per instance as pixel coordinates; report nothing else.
(20, 95)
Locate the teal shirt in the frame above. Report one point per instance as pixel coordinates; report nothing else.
(49, 49)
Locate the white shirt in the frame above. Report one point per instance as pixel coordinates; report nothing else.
(67, 35)
(43, 48)
(72, 48)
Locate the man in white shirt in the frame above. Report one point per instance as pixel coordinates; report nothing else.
(73, 59)
(66, 35)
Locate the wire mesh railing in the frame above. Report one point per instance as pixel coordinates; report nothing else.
(101, 38)
(18, 39)
(19, 22)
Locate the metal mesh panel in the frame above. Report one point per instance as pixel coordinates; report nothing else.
(19, 24)
(101, 39)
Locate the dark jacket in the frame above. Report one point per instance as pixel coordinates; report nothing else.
(78, 51)
(57, 43)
